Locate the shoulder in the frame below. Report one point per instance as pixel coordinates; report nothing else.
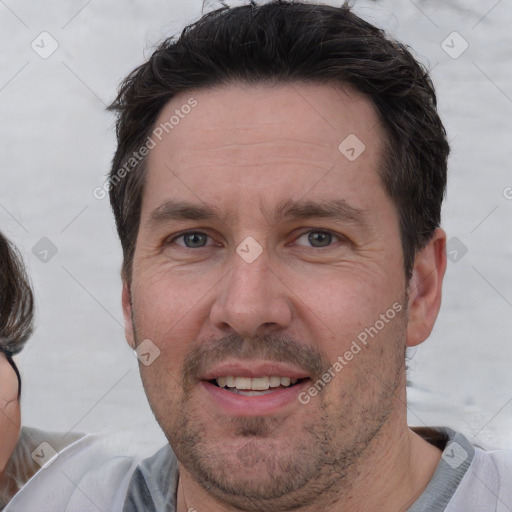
(487, 484)
(467, 477)
(88, 473)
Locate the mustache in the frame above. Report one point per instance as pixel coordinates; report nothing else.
(279, 349)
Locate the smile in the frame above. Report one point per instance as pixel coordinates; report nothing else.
(255, 386)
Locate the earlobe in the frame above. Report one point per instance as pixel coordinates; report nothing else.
(425, 288)
(127, 314)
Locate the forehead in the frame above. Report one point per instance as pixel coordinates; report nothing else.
(279, 141)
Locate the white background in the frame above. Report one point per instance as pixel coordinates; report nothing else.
(56, 144)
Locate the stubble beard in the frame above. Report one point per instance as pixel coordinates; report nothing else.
(255, 465)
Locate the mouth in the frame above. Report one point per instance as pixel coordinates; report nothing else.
(239, 388)
(255, 386)
(252, 388)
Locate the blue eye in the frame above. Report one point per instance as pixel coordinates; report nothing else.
(318, 238)
(315, 238)
(193, 239)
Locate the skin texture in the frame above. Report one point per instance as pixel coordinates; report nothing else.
(245, 150)
(10, 416)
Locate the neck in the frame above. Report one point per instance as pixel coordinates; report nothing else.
(389, 477)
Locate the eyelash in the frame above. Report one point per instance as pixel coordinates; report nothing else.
(340, 238)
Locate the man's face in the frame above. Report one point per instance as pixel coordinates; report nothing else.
(268, 289)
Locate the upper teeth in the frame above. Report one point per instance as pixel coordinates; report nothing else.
(256, 383)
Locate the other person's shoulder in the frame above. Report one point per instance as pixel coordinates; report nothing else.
(88, 473)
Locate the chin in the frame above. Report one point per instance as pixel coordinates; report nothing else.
(247, 469)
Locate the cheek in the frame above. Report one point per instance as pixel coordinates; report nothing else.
(343, 303)
(169, 313)
(360, 327)
(165, 301)
(10, 420)
(165, 295)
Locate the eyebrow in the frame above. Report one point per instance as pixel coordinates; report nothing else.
(181, 210)
(337, 209)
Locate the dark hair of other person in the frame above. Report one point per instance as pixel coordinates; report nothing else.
(287, 42)
(16, 304)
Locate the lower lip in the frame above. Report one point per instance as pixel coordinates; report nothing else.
(264, 405)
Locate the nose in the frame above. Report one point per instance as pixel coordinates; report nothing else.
(251, 297)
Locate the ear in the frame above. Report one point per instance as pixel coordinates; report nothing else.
(425, 288)
(127, 314)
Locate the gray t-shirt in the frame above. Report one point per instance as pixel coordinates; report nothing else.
(467, 479)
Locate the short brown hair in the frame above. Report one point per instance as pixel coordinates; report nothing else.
(16, 300)
(16, 304)
(289, 41)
